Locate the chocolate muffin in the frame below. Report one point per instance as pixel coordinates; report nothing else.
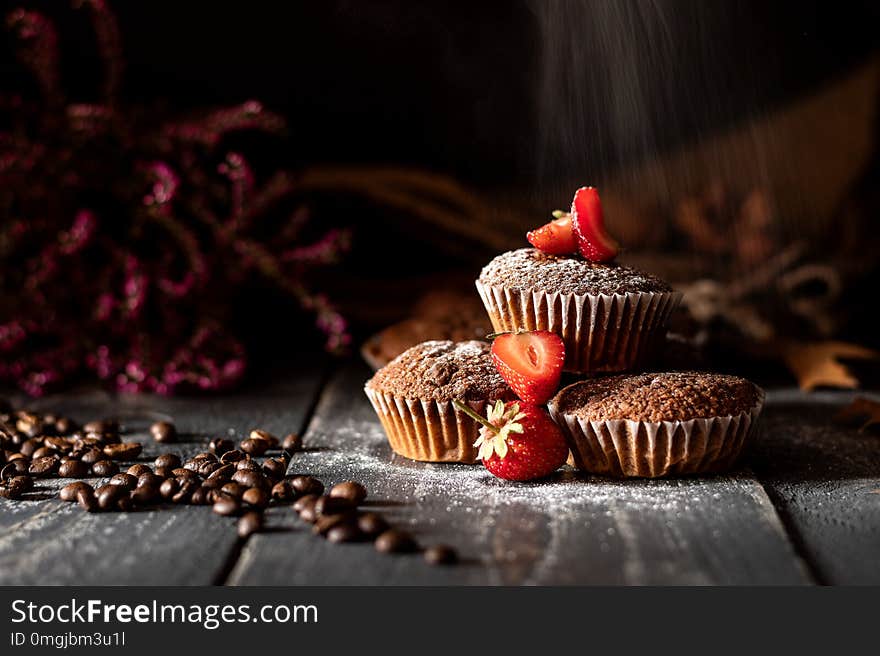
(413, 395)
(610, 316)
(657, 424)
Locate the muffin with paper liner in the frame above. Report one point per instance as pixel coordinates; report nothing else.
(413, 397)
(657, 424)
(609, 316)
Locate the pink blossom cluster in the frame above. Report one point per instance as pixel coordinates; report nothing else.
(123, 236)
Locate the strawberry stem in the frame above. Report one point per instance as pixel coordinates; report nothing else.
(469, 411)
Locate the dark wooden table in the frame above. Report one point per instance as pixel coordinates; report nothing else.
(803, 509)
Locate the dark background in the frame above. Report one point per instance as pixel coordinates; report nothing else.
(455, 86)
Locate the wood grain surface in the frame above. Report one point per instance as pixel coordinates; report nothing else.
(810, 512)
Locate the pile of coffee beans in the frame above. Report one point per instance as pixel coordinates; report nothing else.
(229, 477)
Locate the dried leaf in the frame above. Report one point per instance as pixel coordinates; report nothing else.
(816, 364)
(862, 410)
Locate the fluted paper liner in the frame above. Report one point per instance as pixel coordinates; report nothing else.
(432, 431)
(601, 332)
(623, 447)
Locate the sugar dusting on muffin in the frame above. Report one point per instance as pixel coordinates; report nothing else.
(443, 370)
(658, 397)
(529, 268)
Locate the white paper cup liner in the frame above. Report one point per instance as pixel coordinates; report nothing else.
(627, 448)
(431, 431)
(602, 332)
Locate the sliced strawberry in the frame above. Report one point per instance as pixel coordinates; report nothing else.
(518, 442)
(588, 225)
(555, 238)
(531, 363)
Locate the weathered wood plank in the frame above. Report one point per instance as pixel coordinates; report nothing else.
(568, 531)
(825, 480)
(48, 542)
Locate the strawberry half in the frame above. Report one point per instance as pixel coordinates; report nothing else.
(588, 225)
(518, 443)
(556, 237)
(530, 362)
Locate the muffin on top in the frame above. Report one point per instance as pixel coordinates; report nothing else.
(413, 395)
(608, 315)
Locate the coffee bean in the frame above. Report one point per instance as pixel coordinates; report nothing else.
(227, 506)
(325, 522)
(395, 541)
(305, 506)
(200, 496)
(163, 472)
(9, 492)
(138, 469)
(254, 447)
(256, 497)
(91, 455)
(163, 432)
(222, 473)
(351, 490)
(282, 491)
(44, 466)
(250, 478)
(24, 482)
(274, 468)
(16, 486)
(345, 532)
(184, 474)
(70, 491)
(101, 426)
(169, 488)
(259, 434)
(108, 495)
(28, 447)
(233, 489)
(248, 463)
(328, 505)
(220, 446)
(14, 468)
(123, 450)
(149, 478)
(251, 522)
(146, 494)
(87, 500)
(168, 460)
(372, 524)
(73, 469)
(64, 425)
(28, 423)
(105, 468)
(59, 444)
(291, 443)
(232, 456)
(126, 481)
(307, 485)
(44, 452)
(441, 554)
(184, 494)
(206, 455)
(206, 467)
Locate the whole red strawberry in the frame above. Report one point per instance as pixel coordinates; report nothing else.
(530, 362)
(518, 442)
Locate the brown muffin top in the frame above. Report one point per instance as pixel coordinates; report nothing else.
(442, 371)
(658, 397)
(529, 268)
